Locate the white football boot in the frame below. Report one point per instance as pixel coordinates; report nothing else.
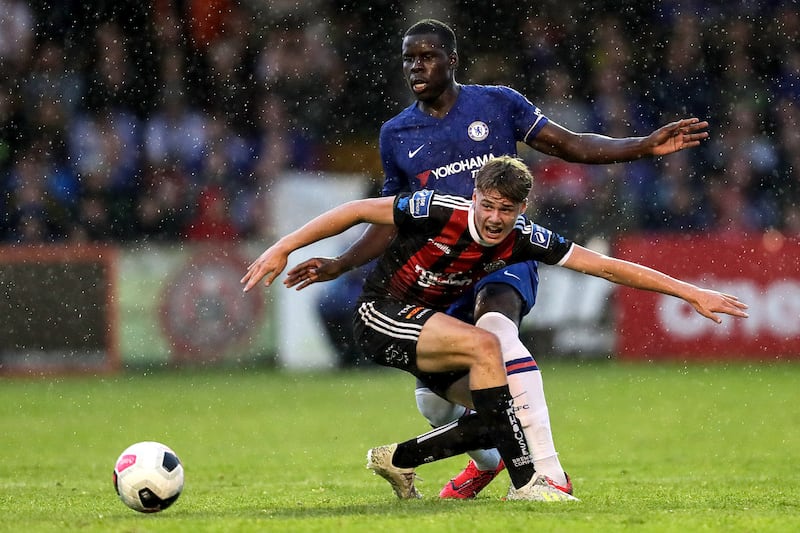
(379, 460)
(540, 489)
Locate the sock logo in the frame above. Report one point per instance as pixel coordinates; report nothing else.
(518, 405)
(522, 443)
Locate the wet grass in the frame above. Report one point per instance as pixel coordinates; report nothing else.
(649, 447)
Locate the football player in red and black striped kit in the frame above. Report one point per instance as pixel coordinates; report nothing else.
(444, 245)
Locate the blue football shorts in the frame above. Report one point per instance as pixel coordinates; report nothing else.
(523, 277)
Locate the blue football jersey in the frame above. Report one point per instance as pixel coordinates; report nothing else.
(419, 151)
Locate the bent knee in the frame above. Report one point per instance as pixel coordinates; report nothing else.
(485, 345)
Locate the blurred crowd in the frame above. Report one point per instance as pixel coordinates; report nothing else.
(170, 120)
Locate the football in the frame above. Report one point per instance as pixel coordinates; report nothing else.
(148, 477)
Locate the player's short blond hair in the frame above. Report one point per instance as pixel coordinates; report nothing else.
(507, 175)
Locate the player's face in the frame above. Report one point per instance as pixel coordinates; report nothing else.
(495, 215)
(427, 66)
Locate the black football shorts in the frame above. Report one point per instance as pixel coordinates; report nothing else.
(387, 331)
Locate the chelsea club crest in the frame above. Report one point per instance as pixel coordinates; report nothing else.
(478, 131)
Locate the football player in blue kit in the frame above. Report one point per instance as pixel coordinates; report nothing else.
(440, 142)
(445, 244)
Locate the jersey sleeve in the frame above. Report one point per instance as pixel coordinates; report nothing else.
(540, 243)
(528, 119)
(413, 208)
(401, 206)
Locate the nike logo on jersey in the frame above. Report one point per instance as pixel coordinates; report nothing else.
(412, 153)
(510, 275)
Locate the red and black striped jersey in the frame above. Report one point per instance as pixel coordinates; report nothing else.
(437, 253)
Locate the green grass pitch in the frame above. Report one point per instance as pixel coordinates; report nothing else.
(649, 447)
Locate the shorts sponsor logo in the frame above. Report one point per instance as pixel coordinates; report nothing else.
(413, 312)
(396, 356)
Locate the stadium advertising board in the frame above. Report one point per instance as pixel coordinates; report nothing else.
(762, 270)
(302, 341)
(58, 305)
(183, 305)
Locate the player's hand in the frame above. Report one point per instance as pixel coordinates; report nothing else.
(708, 303)
(313, 270)
(675, 136)
(266, 267)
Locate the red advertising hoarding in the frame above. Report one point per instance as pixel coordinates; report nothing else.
(762, 270)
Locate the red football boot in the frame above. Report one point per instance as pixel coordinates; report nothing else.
(470, 482)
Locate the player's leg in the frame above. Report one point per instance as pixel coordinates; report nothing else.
(443, 344)
(506, 294)
(396, 462)
(501, 303)
(440, 412)
(421, 341)
(484, 464)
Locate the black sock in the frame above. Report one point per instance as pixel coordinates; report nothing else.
(467, 433)
(495, 407)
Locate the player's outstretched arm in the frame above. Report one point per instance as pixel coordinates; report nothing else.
(595, 148)
(705, 301)
(273, 261)
(372, 243)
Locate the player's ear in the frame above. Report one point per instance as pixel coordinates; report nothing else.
(453, 59)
